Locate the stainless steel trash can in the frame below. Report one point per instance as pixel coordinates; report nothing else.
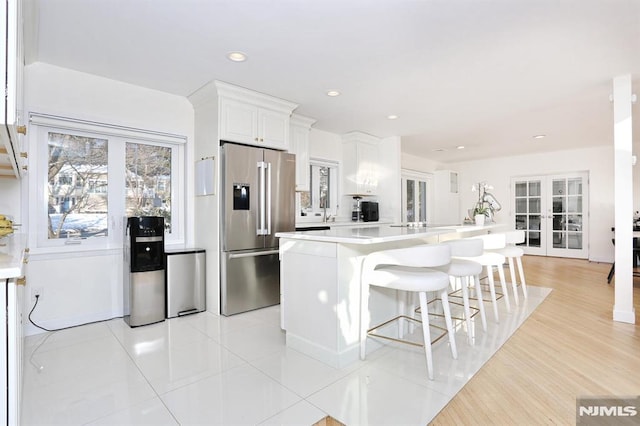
(185, 281)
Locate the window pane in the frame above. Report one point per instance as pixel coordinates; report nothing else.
(148, 181)
(411, 215)
(422, 204)
(325, 198)
(521, 189)
(559, 187)
(534, 239)
(521, 205)
(559, 204)
(575, 204)
(575, 186)
(77, 186)
(534, 205)
(534, 189)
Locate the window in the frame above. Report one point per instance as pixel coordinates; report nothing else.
(94, 175)
(148, 181)
(74, 164)
(324, 190)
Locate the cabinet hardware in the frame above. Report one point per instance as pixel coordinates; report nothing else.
(26, 250)
(21, 281)
(25, 168)
(23, 155)
(21, 129)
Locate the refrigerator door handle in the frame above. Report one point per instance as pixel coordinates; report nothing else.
(268, 204)
(262, 198)
(253, 254)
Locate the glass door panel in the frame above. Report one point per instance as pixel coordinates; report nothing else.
(415, 194)
(528, 208)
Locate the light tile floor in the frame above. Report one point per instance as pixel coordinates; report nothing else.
(206, 369)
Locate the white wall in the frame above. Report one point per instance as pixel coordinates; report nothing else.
(10, 199)
(79, 288)
(419, 164)
(498, 172)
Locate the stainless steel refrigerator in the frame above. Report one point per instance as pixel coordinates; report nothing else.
(258, 190)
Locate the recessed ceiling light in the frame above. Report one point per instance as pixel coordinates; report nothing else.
(460, 147)
(333, 93)
(439, 150)
(392, 117)
(539, 136)
(237, 56)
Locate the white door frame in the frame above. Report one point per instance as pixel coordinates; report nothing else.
(407, 174)
(550, 239)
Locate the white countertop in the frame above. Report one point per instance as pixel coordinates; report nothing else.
(12, 255)
(342, 223)
(377, 234)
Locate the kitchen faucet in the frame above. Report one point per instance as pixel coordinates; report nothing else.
(325, 218)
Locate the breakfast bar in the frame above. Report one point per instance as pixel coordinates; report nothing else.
(320, 283)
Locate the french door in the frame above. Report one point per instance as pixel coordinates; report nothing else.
(415, 192)
(553, 212)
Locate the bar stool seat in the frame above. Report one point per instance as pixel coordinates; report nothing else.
(408, 270)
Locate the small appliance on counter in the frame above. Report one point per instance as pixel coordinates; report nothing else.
(144, 282)
(356, 212)
(369, 211)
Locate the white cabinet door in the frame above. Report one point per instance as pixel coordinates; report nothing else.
(11, 120)
(360, 163)
(11, 336)
(239, 121)
(273, 129)
(299, 145)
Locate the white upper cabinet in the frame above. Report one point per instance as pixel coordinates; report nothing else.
(299, 133)
(360, 163)
(253, 118)
(12, 127)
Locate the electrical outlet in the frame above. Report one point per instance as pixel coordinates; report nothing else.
(36, 291)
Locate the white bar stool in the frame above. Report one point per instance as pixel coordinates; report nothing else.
(407, 270)
(490, 260)
(511, 251)
(463, 271)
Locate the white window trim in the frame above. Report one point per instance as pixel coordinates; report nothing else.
(44, 123)
(314, 215)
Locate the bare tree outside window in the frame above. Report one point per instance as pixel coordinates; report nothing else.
(148, 181)
(77, 186)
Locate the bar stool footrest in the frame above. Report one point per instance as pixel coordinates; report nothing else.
(371, 333)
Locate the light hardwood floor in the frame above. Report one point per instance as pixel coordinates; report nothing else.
(569, 347)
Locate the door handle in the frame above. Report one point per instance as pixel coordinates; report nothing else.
(253, 254)
(268, 203)
(262, 196)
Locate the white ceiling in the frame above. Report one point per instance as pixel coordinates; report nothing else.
(486, 74)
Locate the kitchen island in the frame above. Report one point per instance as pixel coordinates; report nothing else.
(320, 283)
